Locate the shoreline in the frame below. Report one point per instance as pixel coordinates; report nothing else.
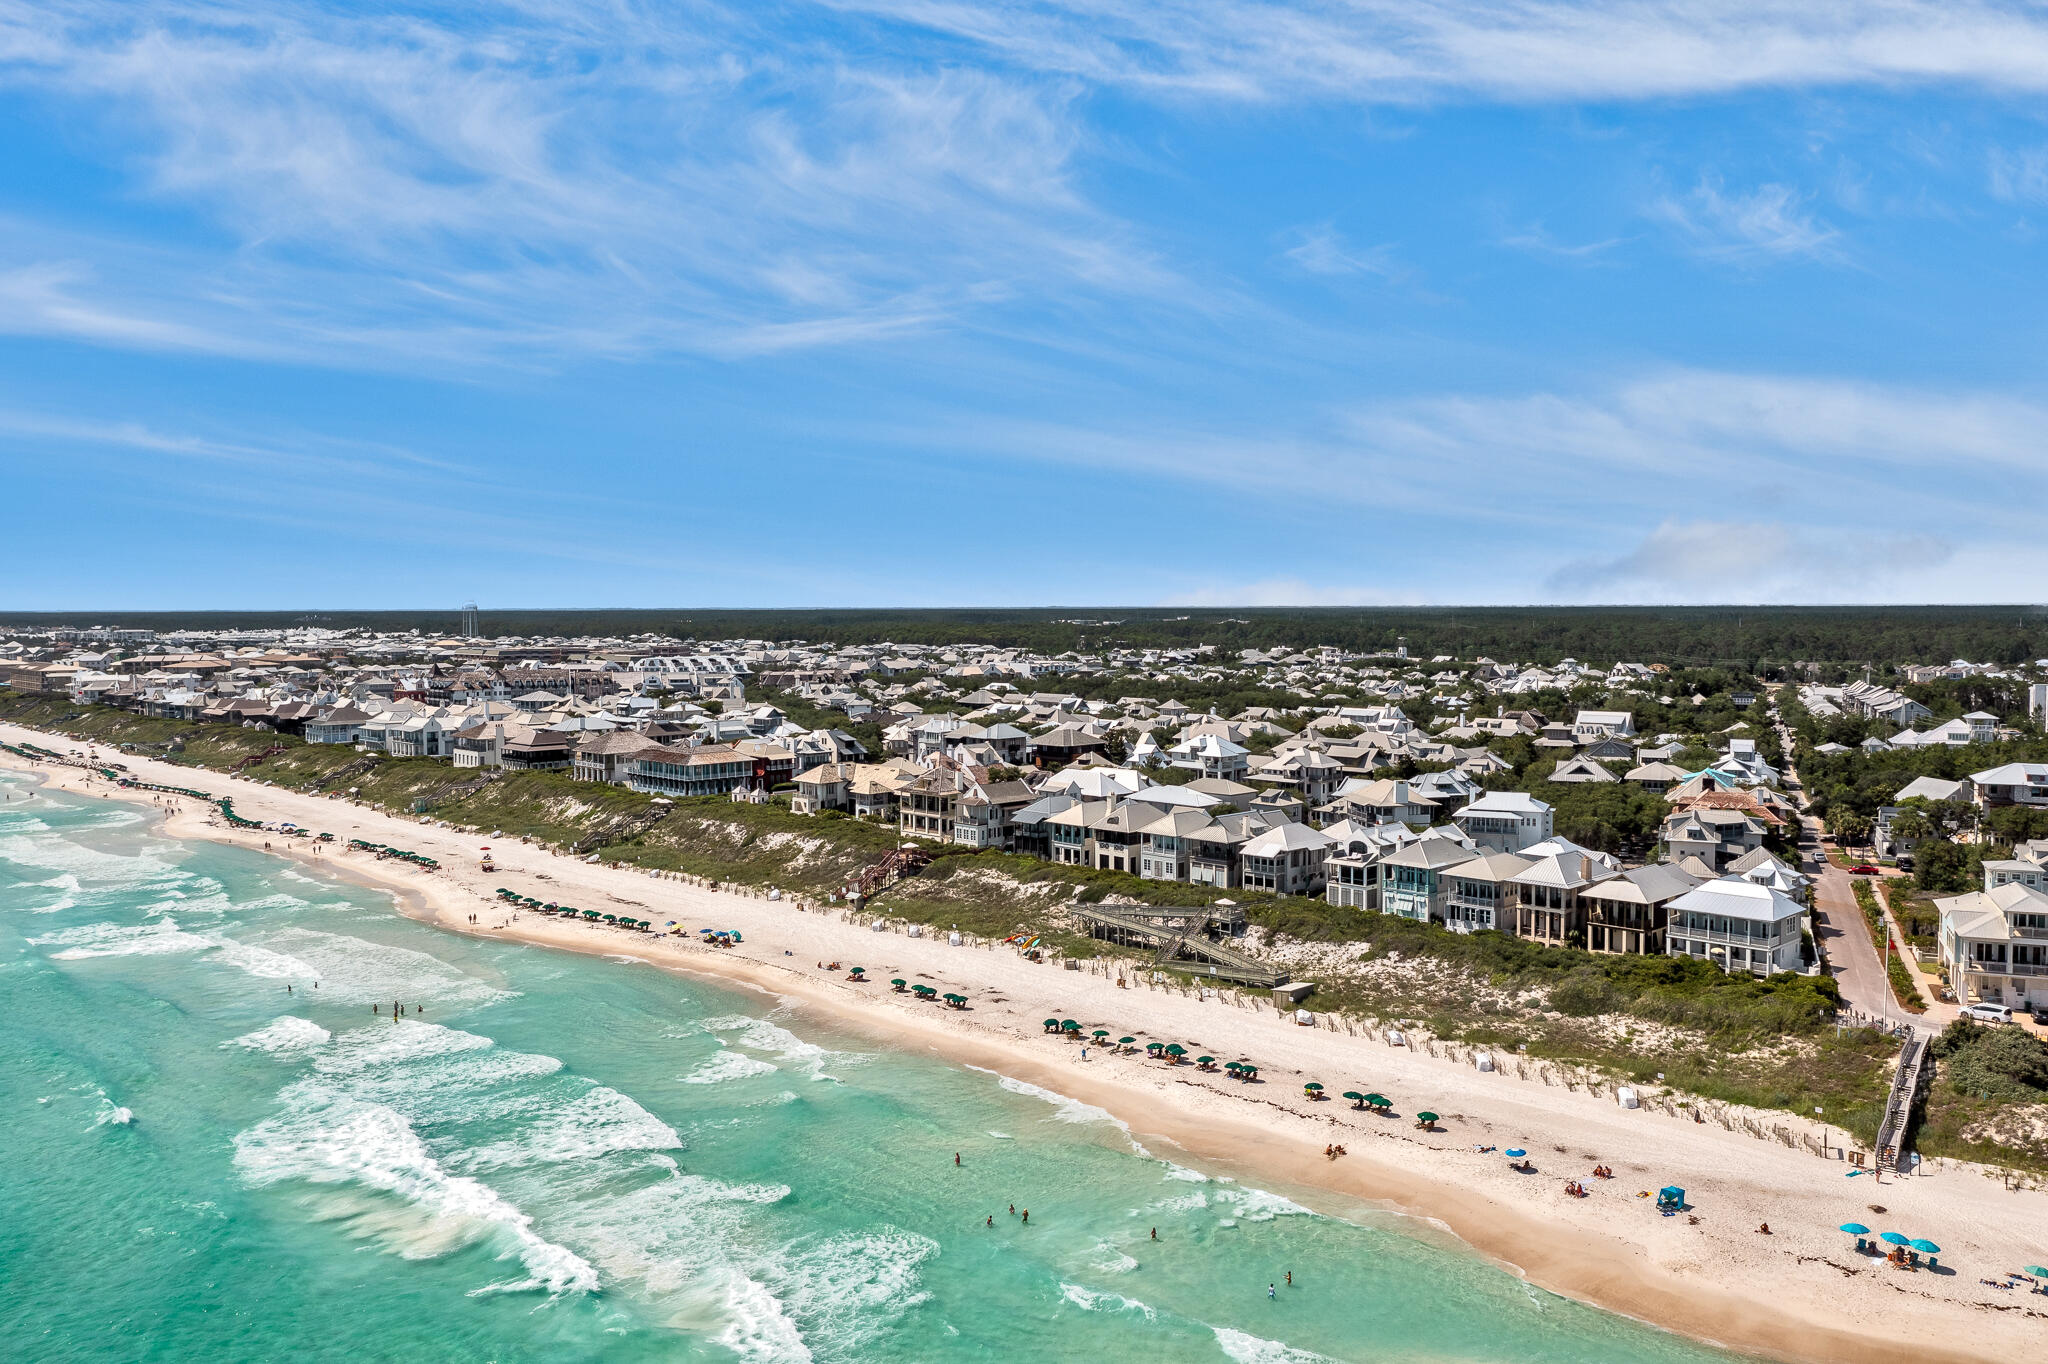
(1797, 1294)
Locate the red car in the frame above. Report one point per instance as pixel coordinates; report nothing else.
(1865, 869)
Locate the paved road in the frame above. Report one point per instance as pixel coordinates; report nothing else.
(1839, 929)
(1844, 938)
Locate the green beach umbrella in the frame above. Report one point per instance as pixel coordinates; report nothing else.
(1052, 1025)
(1426, 1117)
(2038, 1271)
(1102, 1032)
(1313, 1087)
(1176, 1049)
(1125, 1041)
(1155, 1046)
(1379, 1101)
(1069, 1025)
(1233, 1065)
(1358, 1100)
(1205, 1060)
(857, 970)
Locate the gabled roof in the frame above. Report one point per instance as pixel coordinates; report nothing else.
(1734, 898)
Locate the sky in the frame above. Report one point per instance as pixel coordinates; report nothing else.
(958, 302)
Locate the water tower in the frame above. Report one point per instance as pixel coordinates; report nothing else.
(469, 620)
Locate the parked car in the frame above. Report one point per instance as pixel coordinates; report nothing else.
(1865, 869)
(1987, 1013)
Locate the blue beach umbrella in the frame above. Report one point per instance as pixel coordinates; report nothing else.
(1924, 1247)
(1893, 1238)
(1516, 1153)
(1855, 1228)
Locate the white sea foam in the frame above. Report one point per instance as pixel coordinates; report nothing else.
(762, 1035)
(68, 893)
(332, 1139)
(1095, 1300)
(288, 1035)
(1256, 1205)
(1113, 1261)
(359, 971)
(757, 1327)
(599, 1122)
(1250, 1349)
(728, 1065)
(1182, 1173)
(152, 939)
(848, 1287)
(1066, 1109)
(112, 1114)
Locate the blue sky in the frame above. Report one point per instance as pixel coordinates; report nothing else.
(936, 302)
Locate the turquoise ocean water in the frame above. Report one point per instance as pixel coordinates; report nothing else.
(566, 1158)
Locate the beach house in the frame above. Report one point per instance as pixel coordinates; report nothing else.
(1505, 821)
(1994, 944)
(1738, 925)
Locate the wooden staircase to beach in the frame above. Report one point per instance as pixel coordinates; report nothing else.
(1898, 1108)
(1181, 940)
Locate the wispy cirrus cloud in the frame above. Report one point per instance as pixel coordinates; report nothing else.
(1770, 222)
(538, 180)
(1422, 51)
(1321, 249)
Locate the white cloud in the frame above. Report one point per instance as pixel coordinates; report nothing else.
(539, 179)
(2020, 176)
(1769, 221)
(1743, 561)
(1321, 250)
(1405, 51)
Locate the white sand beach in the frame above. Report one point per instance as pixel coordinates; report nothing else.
(1797, 1293)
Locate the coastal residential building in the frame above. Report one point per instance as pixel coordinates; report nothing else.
(2013, 784)
(1549, 893)
(1480, 893)
(1287, 860)
(1506, 821)
(608, 756)
(1738, 925)
(342, 725)
(1629, 913)
(1414, 881)
(713, 770)
(1603, 724)
(1212, 756)
(1994, 944)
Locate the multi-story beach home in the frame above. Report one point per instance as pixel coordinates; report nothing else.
(1286, 859)
(1480, 893)
(1505, 821)
(2012, 784)
(1994, 944)
(1414, 882)
(1630, 912)
(1738, 925)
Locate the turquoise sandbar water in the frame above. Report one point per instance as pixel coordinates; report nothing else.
(566, 1158)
